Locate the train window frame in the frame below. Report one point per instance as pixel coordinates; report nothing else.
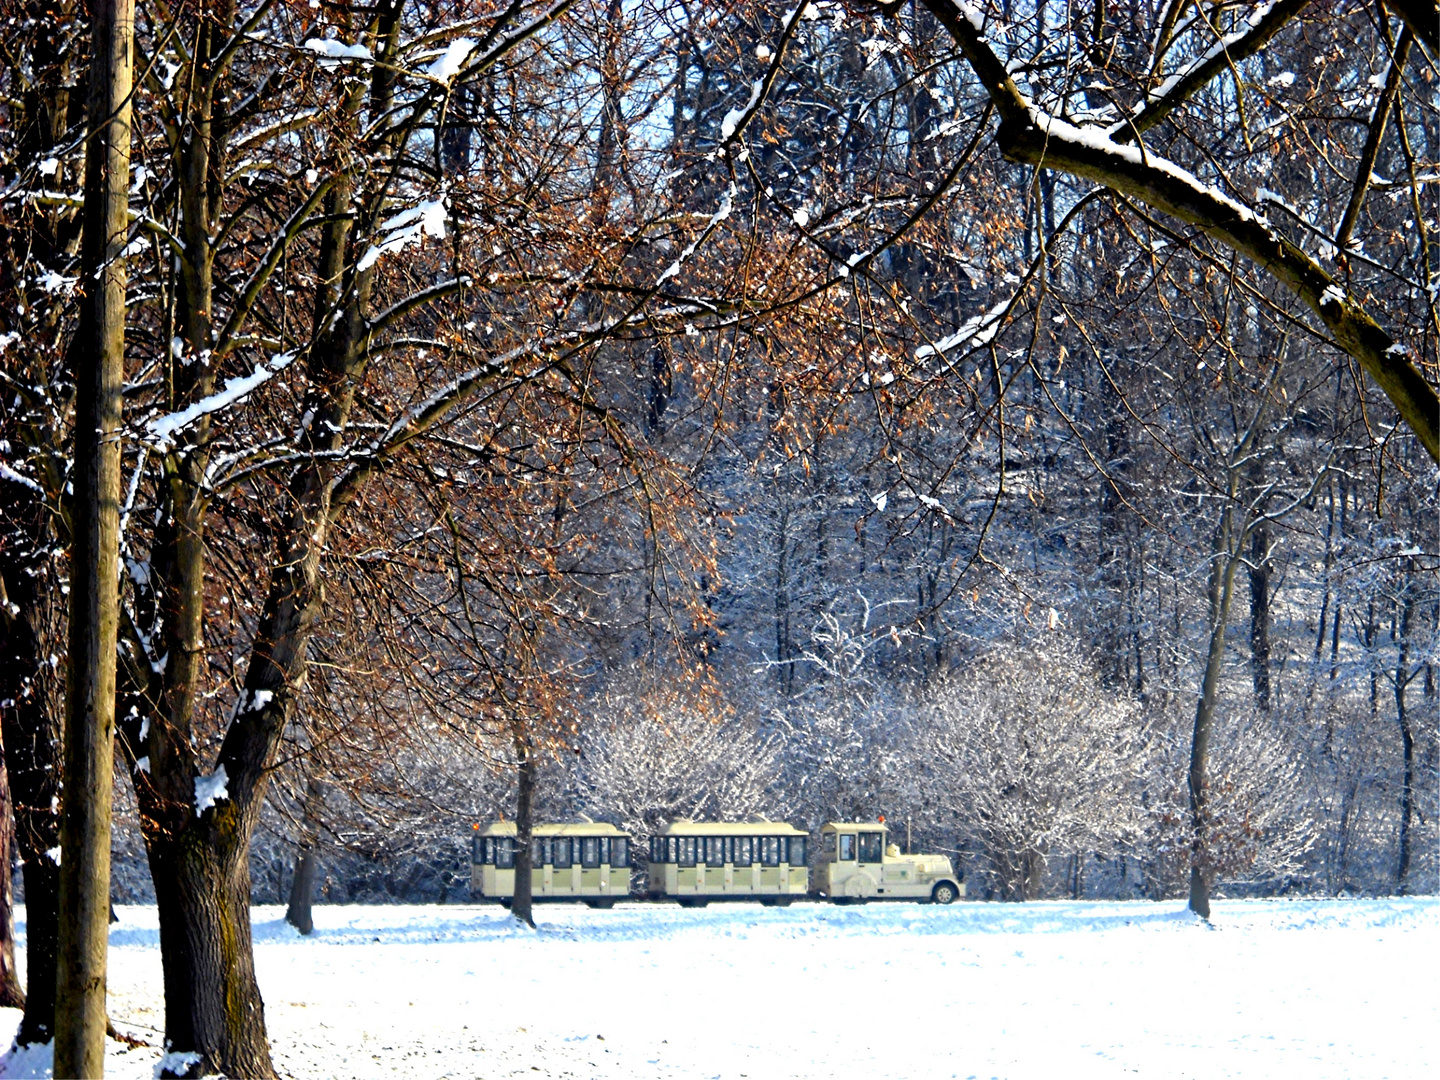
(798, 845)
(657, 849)
(870, 848)
(590, 852)
(477, 852)
(672, 849)
(845, 847)
(744, 851)
(769, 847)
(686, 851)
(619, 852)
(504, 853)
(715, 851)
(562, 843)
(827, 847)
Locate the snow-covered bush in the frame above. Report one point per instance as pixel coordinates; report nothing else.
(1029, 755)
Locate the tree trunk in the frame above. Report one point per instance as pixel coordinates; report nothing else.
(214, 1014)
(11, 995)
(1260, 615)
(98, 363)
(522, 904)
(1403, 676)
(1222, 580)
(30, 599)
(30, 728)
(302, 887)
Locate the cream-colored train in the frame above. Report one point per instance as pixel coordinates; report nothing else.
(695, 862)
(588, 860)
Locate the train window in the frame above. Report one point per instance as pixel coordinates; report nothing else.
(537, 852)
(715, 851)
(797, 851)
(620, 851)
(829, 850)
(590, 852)
(657, 849)
(727, 849)
(770, 850)
(483, 850)
(744, 851)
(872, 847)
(847, 847)
(687, 851)
(562, 852)
(505, 853)
(604, 851)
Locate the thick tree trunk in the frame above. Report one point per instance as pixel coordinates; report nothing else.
(214, 1014)
(11, 995)
(523, 903)
(98, 363)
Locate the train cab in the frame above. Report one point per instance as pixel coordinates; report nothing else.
(858, 864)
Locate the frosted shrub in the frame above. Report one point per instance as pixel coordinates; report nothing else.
(1031, 756)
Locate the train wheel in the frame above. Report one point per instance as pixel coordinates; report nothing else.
(944, 893)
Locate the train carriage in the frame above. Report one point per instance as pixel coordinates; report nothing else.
(695, 862)
(588, 861)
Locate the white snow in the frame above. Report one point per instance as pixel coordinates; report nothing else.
(451, 60)
(1321, 989)
(727, 204)
(164, 428)
(335, 51)
(734, 116)
(977, 332)
(1333, 294)
(210, 789)
(407, 227)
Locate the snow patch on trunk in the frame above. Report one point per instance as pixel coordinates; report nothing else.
(210, 789)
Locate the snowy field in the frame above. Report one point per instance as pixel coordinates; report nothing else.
(1344, 989)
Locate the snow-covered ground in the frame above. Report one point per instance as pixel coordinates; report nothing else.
(1313, 989)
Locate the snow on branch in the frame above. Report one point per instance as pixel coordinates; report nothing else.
(333, 53)
(727, 204)
(163, 429)
(1263, 23)
(405, 228)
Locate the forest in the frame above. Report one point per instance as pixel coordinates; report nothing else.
(1015, 418)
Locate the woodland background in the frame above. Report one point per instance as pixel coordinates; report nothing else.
(727, 432)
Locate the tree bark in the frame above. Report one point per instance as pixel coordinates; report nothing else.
(30, 729)
(1403, 675)
(98, 363)
(1260, 615)
(302, 888)
(523, 903)
(11, 995)
(1222, 580)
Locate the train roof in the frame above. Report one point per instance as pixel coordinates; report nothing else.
(686, 827)
(574, 828)
(868, 826)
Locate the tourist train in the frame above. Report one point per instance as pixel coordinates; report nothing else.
(695, 862)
